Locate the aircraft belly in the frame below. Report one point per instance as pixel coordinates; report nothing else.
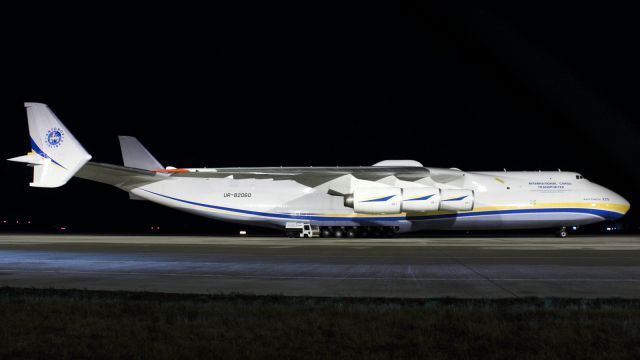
(507, 221)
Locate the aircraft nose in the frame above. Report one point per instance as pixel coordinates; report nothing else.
(618, 203)
(625, 203)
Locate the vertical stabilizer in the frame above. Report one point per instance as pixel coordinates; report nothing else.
(135, 155)
(55, 154)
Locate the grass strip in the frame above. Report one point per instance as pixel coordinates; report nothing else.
(50, 323)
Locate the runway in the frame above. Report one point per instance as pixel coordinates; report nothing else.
(478, 267)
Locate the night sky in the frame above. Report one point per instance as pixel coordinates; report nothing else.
(478, 86)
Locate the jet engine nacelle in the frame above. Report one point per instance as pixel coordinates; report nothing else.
(420, 199)
(382, 200)
(394, 200)
(456, 199)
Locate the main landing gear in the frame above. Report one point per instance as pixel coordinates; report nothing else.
(358, 231)
(562, 233)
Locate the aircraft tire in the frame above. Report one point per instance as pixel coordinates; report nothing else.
(562, 233)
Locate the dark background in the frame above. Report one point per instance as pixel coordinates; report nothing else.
(474, 85)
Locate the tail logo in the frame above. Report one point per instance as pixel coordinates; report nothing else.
(54, 137)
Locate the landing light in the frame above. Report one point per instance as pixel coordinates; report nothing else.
(243, 232)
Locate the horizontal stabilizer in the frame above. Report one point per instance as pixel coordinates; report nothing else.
(119, 176)
(31, 158)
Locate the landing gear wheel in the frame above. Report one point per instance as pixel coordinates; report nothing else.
(325, 233)
(562, 233)
(351, 233)
(337, 233)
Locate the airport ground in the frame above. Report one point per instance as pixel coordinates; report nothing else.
(472, 267)
(167, 297)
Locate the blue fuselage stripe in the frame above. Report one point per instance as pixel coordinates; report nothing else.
(598, 212)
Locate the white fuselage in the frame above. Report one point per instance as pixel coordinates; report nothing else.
(503, 200)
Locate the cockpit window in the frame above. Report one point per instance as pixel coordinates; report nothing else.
(579, 177)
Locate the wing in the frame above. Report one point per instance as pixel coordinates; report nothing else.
(308, 176)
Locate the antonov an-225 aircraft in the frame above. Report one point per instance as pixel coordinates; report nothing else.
(392, 196)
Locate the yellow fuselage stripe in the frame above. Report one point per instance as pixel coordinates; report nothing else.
(620, 208)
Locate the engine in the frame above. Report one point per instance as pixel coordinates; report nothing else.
(420, 199)
(382, 200)
(394, 200)
(456, 199)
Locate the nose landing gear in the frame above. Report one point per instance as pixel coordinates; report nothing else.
(562, 233)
